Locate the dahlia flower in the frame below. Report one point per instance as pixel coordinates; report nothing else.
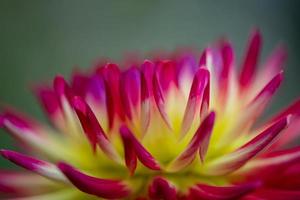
(173, 127)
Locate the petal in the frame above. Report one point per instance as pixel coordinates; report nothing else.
(79, 83)
(293, 109)
(227, 55)
(161, 189)
(159, 100)
(96, 97)
(253, 110)
(270, 88)
(130, 155)
(274, 62)
(269, 165)
(111, 75)
(29, 133)
(65, 95)
(195, 97)
(273, 194)
(232, 161)
(199, 142)
(61, 88)
(166, 74)
(251, 59)
(130, 89)
(146, 91)
(93, 129)
(205, 101)
(49, 100)
(20, 183)
(207, 192)
(132, 144)
(104, 188)
(38, 166)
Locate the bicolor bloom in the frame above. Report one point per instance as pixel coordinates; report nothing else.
(174, 127)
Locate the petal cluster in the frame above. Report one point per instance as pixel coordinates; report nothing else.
(180, 126)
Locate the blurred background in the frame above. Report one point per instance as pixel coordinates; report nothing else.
(39, 39)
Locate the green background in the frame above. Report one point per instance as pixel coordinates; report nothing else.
(39, 39)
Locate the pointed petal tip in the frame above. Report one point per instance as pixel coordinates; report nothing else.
(24, 161)
(59, 84)
(79, 104)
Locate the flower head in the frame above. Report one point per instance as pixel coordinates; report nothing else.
(174, 127)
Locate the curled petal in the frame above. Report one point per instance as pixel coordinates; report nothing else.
(161, 189)
(38, 166)
(104, 188)
(207, 192)
(195, 97)
(232, 161)
(131, 144)
(199, 142)
(93, 129)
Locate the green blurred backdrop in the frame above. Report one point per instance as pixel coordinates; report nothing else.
(39, 39)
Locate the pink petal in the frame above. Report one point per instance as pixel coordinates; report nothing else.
(111, 75)
(293, 109)
(41, 167)
(20, 183)
(202, 61)
(207, 192)
(96, 89)
(145, 98)
(79, 83)
(166, 74)
(269, 166)
(270, 88)
(104, 188)
(205, 101)
(132, 144)
(230, 162)
(130, 155)
(92, 128)
(251, 59)
(275, 61)
(161, 189)
(199, 142)
(159, 100)
(227, 58)
(195, 97)
(49, 100)
(273, 194)
(130, 88)
(88, 121)
(61, 88)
